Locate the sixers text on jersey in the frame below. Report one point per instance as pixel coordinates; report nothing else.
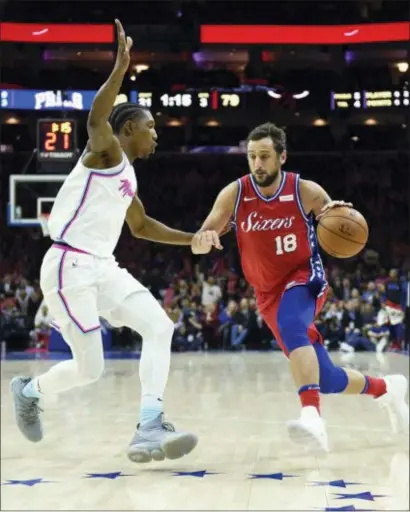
(276, 239)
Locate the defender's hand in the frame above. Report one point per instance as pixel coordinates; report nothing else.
(124, 46)
(203, 242)
(332, 204)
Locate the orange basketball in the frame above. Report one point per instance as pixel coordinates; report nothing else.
(342, 232)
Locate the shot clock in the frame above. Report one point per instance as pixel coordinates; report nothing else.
(56, 140)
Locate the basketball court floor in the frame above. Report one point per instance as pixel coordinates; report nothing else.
(238, 404)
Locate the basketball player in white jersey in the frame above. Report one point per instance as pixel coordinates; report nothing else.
(81, 280)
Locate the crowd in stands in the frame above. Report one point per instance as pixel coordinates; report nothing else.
(218, 310)
(207, 298)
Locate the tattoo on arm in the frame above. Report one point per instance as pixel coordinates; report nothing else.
(322, 200)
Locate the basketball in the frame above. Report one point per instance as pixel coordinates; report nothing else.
(342, 232)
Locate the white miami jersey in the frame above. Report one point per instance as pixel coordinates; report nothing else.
(90, 208)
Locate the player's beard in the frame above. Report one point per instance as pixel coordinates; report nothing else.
(267, 179)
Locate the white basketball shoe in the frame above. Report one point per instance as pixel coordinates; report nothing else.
(310, 431)
(395, 402)
(157, 440)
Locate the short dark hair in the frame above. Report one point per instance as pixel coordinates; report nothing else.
(122, 112)
(272, 131)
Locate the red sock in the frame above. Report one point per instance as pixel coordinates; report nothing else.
(310, 396)
(374, 386)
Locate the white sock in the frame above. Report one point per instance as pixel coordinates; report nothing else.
(151, 408)
(31, 390)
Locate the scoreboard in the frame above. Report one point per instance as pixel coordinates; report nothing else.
(251, 97)
(210, 100)
(213, 99)
(56, 140)
(370, 99)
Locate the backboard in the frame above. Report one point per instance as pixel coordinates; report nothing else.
(30, 196)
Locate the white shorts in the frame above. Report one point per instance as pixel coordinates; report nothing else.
(81, 288)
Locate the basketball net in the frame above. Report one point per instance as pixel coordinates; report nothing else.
(44, 223)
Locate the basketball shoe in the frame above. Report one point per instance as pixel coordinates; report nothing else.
(157, 440)
(309, 430)
(26, 410)
(394, 400)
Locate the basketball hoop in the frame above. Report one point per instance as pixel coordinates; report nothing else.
(43, 219)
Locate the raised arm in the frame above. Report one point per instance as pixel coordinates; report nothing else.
(101, 137)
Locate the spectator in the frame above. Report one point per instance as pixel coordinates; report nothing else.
(346, 289)
(240, 325)
(211, 292)
(351, 317)
(189, 332)
(42, 328)
(22, 301)
(371, 294)
(226, 320)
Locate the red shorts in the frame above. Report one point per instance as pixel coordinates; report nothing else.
(268, 304)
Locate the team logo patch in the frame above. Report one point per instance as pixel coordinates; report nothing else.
(284, 199)
(126, 188)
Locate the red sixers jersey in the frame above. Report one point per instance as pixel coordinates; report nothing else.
(276, 239)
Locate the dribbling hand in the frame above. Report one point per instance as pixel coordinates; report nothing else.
(124, 46)
(333, 204)
(203, 242)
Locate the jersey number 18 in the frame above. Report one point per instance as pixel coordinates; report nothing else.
(285, 244)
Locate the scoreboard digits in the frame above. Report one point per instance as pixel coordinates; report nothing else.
(230, 100)
(203, 98)
(56, 139)
(176, 100)
(370, 99)
(212, 100)
(145, 99)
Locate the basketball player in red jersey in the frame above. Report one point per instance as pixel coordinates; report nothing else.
(272, 212)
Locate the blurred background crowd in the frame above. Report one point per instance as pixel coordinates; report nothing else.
(208, 299)
(356, 153)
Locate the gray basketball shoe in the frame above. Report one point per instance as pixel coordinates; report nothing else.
(26, 410)
(157, 440)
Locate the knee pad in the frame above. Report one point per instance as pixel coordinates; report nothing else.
(332, 379)
(293, 333)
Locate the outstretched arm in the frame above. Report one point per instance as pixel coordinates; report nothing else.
(142, 226)
(147, 228)
(222, 210)
(101, 137)
(218, 221)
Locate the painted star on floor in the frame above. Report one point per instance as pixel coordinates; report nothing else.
(197, 474)
(271, 476)
(367, 496)
(108, 476)
(28, 483)
(348, 507)
(334, 483)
